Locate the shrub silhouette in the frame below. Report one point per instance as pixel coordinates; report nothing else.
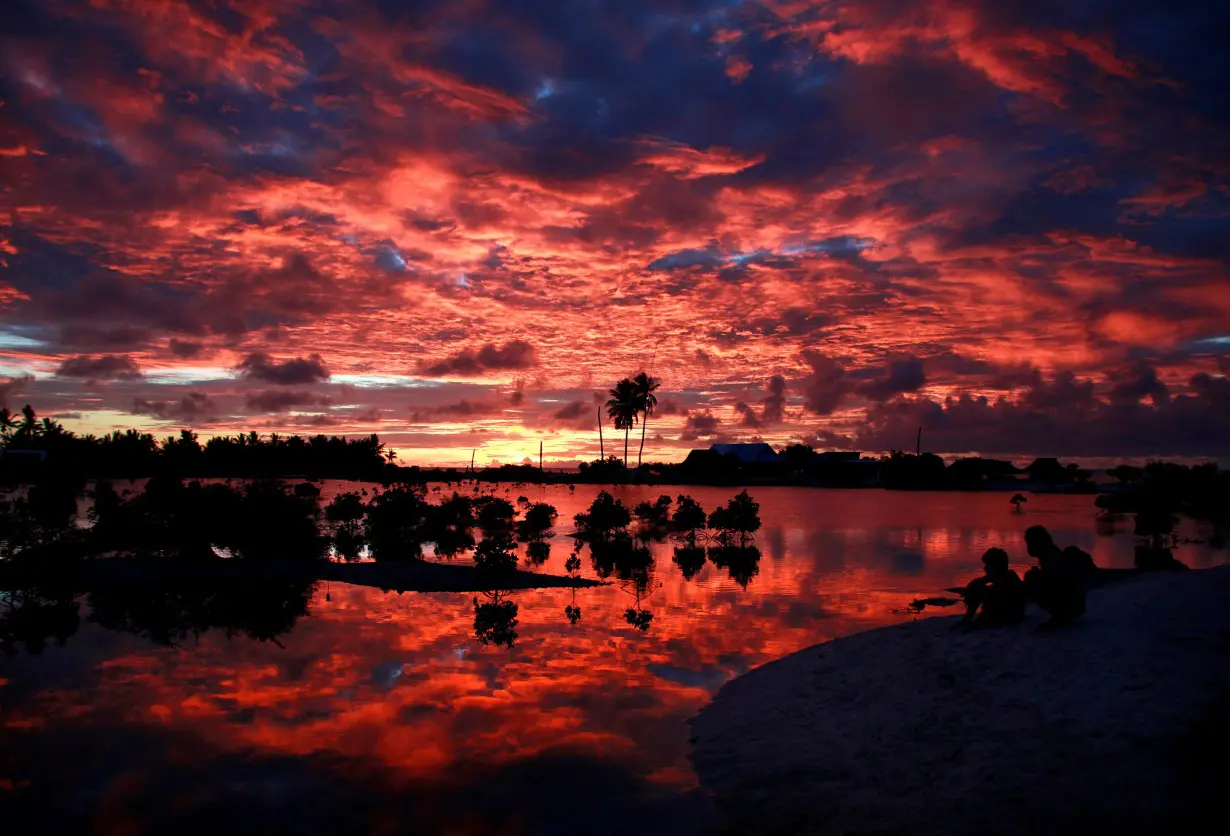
(496, 555)
(39, 526)
(495, 515)
(268, 521)
(606, 516)
(689, 515)
(738, 519)
(537, 523)
(654, 514)
(346, 513)
(395, 523)
(451, 542)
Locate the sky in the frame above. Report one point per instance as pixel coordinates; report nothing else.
(458, 223)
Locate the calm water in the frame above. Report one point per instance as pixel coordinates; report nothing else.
(382, 713)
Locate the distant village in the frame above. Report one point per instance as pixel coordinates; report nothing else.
(797, 464)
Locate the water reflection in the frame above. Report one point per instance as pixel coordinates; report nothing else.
(495, 619)
(31, 618)
(742, 563)
(690, 559)
(461, 712)
(261, 610)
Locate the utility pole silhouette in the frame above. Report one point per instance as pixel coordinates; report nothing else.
(918, 443)
(540, 457)
(601, 447)
(472, 452)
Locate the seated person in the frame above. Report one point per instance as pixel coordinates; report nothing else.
(1159, 559)
(1055, 584)
(999, 593)
(1079, 560)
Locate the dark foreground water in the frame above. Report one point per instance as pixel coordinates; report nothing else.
(383, 713)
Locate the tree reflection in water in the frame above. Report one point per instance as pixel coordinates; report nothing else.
(631, 563)
(31, 617)
(573, 565)
(495, 619)
(165, 614)
(742, 563)
(258, 609)
(690, 559)
(537, 552)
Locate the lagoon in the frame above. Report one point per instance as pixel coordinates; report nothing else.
(379, 712)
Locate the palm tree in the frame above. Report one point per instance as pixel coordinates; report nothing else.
(647, 401)
(623, 409)
(29, 422)
(7, 423)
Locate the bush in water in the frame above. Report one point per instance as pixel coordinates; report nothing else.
(739, 519)
(537, 523)
(689, 515)
(606, 516)
(654, 514)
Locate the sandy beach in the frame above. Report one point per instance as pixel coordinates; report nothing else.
(1117, 724)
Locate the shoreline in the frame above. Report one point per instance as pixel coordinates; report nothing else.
(1117, 723)
(564, 479)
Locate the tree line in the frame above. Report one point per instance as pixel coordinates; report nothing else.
(131, 454)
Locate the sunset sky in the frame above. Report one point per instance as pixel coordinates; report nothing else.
(458, 223)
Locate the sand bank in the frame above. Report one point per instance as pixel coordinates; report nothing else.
(1117, 724)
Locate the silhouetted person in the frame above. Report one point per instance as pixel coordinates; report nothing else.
(1056, 583)
(1157, 559)
(1078, 560)
(999, 594)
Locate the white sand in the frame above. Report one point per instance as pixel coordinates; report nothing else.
(1117, 724)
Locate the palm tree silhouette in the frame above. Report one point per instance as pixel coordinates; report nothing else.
(7, 423)
(29, 422)
(623, 408)
(648, 401)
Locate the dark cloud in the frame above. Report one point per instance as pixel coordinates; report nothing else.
(573, 410)
(1188, 425)
(192, 406)
(827, 386)
(185, 349)
(1139, 382)
(772, 405)
(774, 400)
(748, 415)
(90, 338)
(708, 257)
(14, 386)
(1066, 391)
(800, 321)
(101, 367)
(901, 375)
(700, 425)
(283, 400)
(515, 354)
(670, 406)
(294, 372)
(469, 409)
